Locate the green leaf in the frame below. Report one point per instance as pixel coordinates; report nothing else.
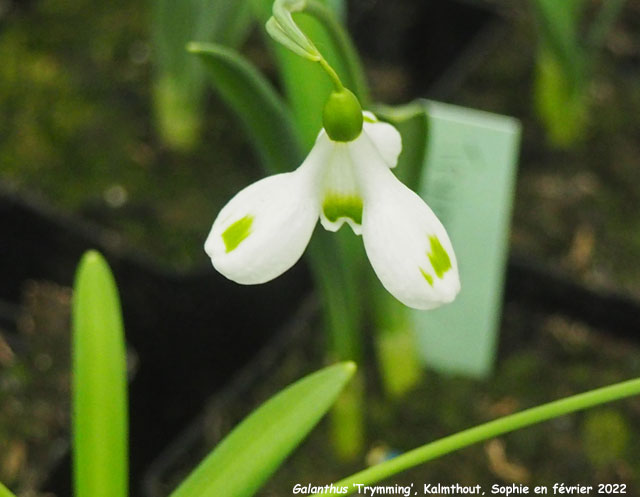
(5, 492)
(559, 23)
(179, 81)
(412, 122)
(224, 22)
(100, 429)
(561, 104)
(602, 24)
(268, 122)
(489, 430)
(244, 460)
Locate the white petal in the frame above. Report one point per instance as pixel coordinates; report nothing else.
(384, 137)
(341, 200)
(407, 245)
(265, 228)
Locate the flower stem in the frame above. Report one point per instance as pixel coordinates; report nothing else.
(332, 74)
(490, 430)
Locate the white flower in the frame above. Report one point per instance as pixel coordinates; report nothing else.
(266, 227)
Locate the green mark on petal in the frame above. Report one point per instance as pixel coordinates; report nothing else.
(439, 258)
(237, 232)
(427, 276)
(337, 206)
(369, 119)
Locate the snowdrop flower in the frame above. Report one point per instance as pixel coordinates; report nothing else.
(346, 178)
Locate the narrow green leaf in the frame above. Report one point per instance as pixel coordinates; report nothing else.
(412, 122)
(559, 23)
(607, 16)
(179, 81)
(347, 423)
(243, 461)
(490, 430)
(100, 423)
(223, 22)
(263, 114)
(5, 492)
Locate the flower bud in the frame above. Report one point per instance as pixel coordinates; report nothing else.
(342, 116)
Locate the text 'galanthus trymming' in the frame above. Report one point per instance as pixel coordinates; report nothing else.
(346, 177)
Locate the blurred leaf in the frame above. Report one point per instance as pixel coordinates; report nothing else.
(605, 436)
(559, 23)
(224, 22)
(412, 122)
(602, 24)
(263, 114)
(179, 82)
(562, 105)
(100, 431)
(347, 421)
(243, 461)
(5, 492)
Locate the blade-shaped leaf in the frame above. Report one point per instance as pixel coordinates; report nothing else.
(5, 492)
(486, 431)
(100, 431)
(265, 117)
(559, 23)
(412, 121)
(242, 462)
(179, 82)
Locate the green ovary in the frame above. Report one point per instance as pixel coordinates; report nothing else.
(439, 258)
(237, 232)
(336, 206)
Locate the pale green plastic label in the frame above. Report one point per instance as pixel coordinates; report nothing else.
(469, 182)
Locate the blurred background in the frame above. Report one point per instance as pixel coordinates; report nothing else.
(87, 159)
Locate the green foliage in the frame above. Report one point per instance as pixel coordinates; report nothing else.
(179, 82)
(561, 101)
(605, 434)
(100, 422)
(565, 62)
(241, 463)
(492, 429)
(244, 90)
(5, 492)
